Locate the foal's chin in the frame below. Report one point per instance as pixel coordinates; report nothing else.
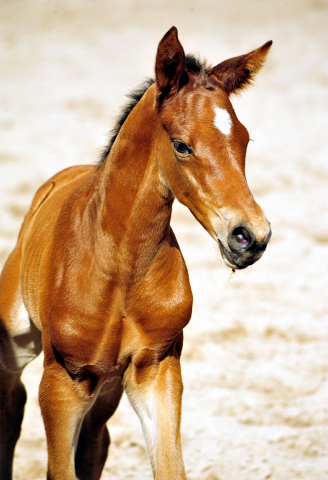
(239, 261)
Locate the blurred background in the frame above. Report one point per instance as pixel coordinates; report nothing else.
(255, 357)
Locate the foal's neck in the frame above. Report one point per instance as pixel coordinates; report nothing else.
(134, 206)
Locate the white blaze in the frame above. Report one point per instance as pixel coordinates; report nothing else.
(222, 120)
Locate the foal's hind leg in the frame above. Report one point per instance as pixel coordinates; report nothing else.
(12, 402)
(20, 342)
(94, 438)
(16, 350)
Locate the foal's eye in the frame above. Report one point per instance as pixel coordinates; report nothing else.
(181, 147)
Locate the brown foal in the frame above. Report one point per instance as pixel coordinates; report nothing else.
(97, 278)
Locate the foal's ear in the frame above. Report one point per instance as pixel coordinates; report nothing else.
(169, 65)
(238, 72)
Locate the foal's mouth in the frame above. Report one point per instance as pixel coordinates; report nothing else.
(242, 260)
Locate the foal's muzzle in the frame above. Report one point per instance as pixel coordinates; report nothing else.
(244, 248)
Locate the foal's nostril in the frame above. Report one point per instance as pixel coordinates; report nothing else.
(244, 248)
(242, 237)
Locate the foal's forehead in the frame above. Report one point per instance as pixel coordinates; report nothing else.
(212, 107)
(206, 111)
(203, 108)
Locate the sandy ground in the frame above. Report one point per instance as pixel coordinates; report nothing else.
(255, 357)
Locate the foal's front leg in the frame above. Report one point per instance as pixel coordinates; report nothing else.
(155, 392)
(63, 405)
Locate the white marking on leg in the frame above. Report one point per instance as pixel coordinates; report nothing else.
(25, 337)
(222, 120)
(21, 321)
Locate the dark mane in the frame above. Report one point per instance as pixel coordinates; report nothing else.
(192, 65)
(134, 98)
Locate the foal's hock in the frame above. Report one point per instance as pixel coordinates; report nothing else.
(97, 277)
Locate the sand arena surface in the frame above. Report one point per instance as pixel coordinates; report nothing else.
(255, 356)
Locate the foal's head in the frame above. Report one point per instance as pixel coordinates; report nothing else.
(203, 159)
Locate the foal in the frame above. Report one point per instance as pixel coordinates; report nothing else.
(97, 277)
